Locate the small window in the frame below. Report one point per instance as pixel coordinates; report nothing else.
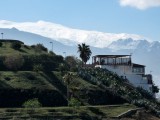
(137, 70)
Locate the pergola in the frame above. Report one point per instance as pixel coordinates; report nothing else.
(111, 59)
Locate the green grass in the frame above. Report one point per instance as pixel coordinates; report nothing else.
(92, 111)
(76, 83)
(80, 83)
(24, 80)
(117, 110)
(6, 49)
(40, 80)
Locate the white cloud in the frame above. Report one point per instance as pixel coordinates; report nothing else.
(68, 35)
(140, 4)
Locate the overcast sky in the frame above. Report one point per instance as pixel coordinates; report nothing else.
(140, 17)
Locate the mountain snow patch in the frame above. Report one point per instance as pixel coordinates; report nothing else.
(68, 35)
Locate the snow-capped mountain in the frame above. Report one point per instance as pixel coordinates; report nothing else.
(128, 44)
(67, 35)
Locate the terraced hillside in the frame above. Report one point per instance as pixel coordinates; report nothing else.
(28, 72)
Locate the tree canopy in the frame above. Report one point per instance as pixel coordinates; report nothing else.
(84, 51)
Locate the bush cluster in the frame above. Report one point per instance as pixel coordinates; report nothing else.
(32, 103)
(73, 102)
(16, 45)
(14, 62)
(39, 48)
(45, 62)
(37, 67)
(30, 62)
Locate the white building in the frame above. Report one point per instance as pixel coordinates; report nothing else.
(123, 66)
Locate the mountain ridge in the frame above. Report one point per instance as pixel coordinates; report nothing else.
(66, 35)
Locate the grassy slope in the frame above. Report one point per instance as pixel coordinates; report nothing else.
(24, 80)
(5, 49)
(42, 81)
(64, 112)
(51, 80)
(30, 79)
(21, 79)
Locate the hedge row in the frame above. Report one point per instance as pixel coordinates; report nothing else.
(49, 62)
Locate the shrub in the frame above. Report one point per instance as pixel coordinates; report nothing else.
(72, 62)
(33, 46)
(14, 62)
(145, 93)
(155, 89)
(16, 45)
(32, 103)
(51, 53)
(63, 68)
(25, 46)
(1, 44)
(73, 102)
(39, 47)
(49, 62)
(37, 68)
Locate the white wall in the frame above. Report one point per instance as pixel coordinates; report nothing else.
(119, 69)
(126, 70)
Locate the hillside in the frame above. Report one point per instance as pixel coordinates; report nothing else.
(22, 75)
(29, 72)
(33, 72)
(6, 48)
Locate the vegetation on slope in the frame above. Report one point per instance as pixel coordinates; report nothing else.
(18, 87)
(120, 87)
(24, 80)
(10, 47)
(29, 72)
(26, 73)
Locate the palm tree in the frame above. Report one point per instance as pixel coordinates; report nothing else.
(85, 52)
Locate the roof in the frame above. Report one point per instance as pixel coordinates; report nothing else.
(112, 56)
(138, 65)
